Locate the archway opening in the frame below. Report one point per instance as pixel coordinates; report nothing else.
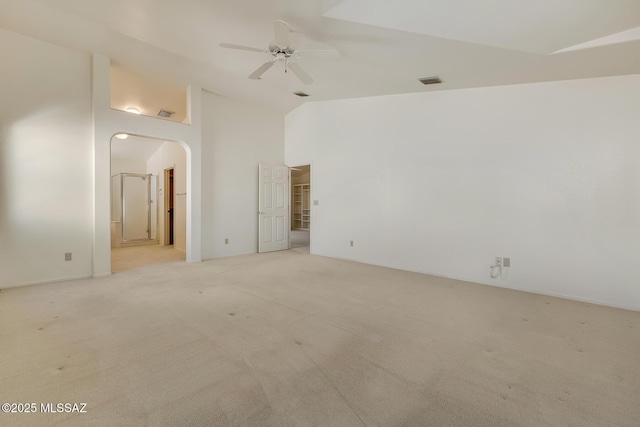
(148, 212)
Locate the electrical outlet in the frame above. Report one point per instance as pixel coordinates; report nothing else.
(498, 261)
(506, 262)
(67, 256)
(226, 241)
(351, 242)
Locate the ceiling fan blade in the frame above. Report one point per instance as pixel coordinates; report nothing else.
(240, 47)
(261, 70)
(281, 29)
(324, 53)
(300, 73)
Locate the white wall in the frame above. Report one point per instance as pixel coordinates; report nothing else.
(442, 182)
(45, 162)
(235, 138)
(55, 164)
(127, 165)
(172, 155)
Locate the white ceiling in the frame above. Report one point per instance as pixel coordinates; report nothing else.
(134, 147)
(385, 45)
(540, 26)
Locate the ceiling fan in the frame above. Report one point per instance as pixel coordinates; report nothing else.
(282, 51)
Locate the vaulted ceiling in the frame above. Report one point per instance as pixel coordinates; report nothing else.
(384, 45)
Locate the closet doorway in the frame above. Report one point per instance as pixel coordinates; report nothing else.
(300, 234)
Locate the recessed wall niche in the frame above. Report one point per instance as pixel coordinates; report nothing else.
(149, 95)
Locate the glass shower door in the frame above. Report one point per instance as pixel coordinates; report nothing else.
(135, 207)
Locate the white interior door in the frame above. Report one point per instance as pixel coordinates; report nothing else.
(273, 205)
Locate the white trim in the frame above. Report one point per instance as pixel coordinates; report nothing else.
(46, 281)
(494, 284)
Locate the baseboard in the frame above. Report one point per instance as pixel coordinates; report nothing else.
(97, 276)
(228, 256)
(44, 282)
(133, 243)
(495, 284)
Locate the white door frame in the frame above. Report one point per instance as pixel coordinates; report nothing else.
(310, 199)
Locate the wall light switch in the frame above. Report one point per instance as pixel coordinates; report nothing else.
(226, 241)
(506, 262)
(351, 242)
(67, 256)
(316, 203)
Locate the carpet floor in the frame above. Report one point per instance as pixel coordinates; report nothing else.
(292, 339)
(132, 257)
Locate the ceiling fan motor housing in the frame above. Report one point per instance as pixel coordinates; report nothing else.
(286, 51)
(281, 51)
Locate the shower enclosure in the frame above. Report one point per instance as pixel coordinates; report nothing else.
(134, 207)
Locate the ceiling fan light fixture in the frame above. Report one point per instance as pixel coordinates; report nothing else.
(301, 94)
(433, 80)
(282, 52)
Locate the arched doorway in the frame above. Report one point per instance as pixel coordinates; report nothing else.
(148, 212)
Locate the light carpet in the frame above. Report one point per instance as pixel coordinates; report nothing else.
(292, 339)
(132, 257)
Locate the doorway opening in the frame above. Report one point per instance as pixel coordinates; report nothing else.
(141, 234)
(300, 227)
(168, 207)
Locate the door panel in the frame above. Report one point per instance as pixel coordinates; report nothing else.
(273, 205)
(268, 229)
(268, 194)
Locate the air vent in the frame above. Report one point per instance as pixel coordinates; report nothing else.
(166, 114)
(302, 94)
(430, 80)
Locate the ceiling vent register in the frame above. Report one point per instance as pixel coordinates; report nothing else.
(165, 114)
(435, 80)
